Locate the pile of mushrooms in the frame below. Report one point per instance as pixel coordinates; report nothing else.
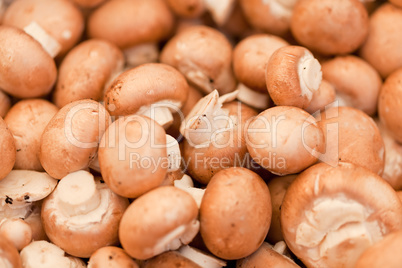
(200, 133)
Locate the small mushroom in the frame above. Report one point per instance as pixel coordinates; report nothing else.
(33, 114)
(7, 150)
(17, 231)
(292, 76)
(9, 257)
(85, 71)
(82, 214)
(285, 140)
(191, 50)
(330, 27)
(329, 216)
(45, 254)
(235, 213)
(111, 257)
(70, 140)
(5, 103)
(356, 82)
(323, 97)
(160, 220)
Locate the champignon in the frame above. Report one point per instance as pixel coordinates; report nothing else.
(17, 231)
(111, 257)
(9, 257)
(7, 150)
(329, 216)
(82, 214)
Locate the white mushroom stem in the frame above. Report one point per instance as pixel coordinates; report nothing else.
(141, 54)
(281, 8)
(77, 193)
(220, 10)
(252, 98)
(202, 259)
(17, 231)
(280, 247)
(173, 153)
(158, 112)
(186, 184)
(49, 44)
(310, 75)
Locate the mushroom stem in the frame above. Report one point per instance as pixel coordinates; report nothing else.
(252, 98)
(141, 54)
(202, 259)
(173, 153)
(280, 247)
(310, 75)
(162, 115)
(78, 194)
(49, 44)
(220, 10)
(186, 184)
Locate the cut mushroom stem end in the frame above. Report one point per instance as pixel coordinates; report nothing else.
(161, 114)
(173, 153)
(141, 54)
(310, 75)
(49, 44)
(186, 184)
(202, 259)
(220, 10)
(252, 98)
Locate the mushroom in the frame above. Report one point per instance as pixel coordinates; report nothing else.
(7, 150)
(59, 20)
(285, 140)
(351, 136)
(47, 255)
(27, 70)
(191, 51)
(267, 256)
(135, 154)
(160, 220)
(329, 216)
(323, 97)
(250, 59)
(186, 184)
(86, 71)
(17, 231)
(389, 104)
(155, 90)
(82, 214)
(330, 27)
(32, 114)
(235, 213)
(9, 257)
(269, 16)
(5, 103)
(215, 136)
(111, 257)
(382, 48)
(292, 76)
(356, 82)
(70, 140)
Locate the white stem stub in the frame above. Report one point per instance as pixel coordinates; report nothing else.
(49, 44)
(310, 75)
(220, 10)
(186, 184)
(201, 258)
(173, 153)
(252, 98)
(141, 54)
(161, 112)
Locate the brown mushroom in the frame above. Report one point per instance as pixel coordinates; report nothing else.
(9, 257)
(111, 257)
(7, 150)
(17, 231)
(330, 27)
(235, 213)
(329, 217)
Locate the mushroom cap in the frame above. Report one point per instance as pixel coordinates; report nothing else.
(385, 253)
(34, 114)
(59, 18)
(9, 257)
(292, 76)
(164, 212)
(330, 27)
(285, 140)
(250, 59)
(187, 8)
(382, 48)
(111, 257)
(26, 70)
(170, 259)
(341, 126)
(228, 148)
(266, 256)
(235, 213)
(325, 95)
(85, 70)
(191, 51)
(143, 86)
(389, 104)
(132, 155)
(356, 82)
(82, 234)
(329, 215)
(7, 150)
(118, 22)
(17, 231)
(70, 140)
(5, 103)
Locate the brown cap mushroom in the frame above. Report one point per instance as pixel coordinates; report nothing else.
(285, 140)
(86, 70)
(27, 70)
(329, 216)
(191, 51)
(9, 257)
(82, 214)
(7, 150)
(111, 257)
(160, 220)
(70, 140)
(324, 96)
(382, 48)
(292, 76)
(356, 82)
(32, 114)
(235, 213)
(17, 231)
